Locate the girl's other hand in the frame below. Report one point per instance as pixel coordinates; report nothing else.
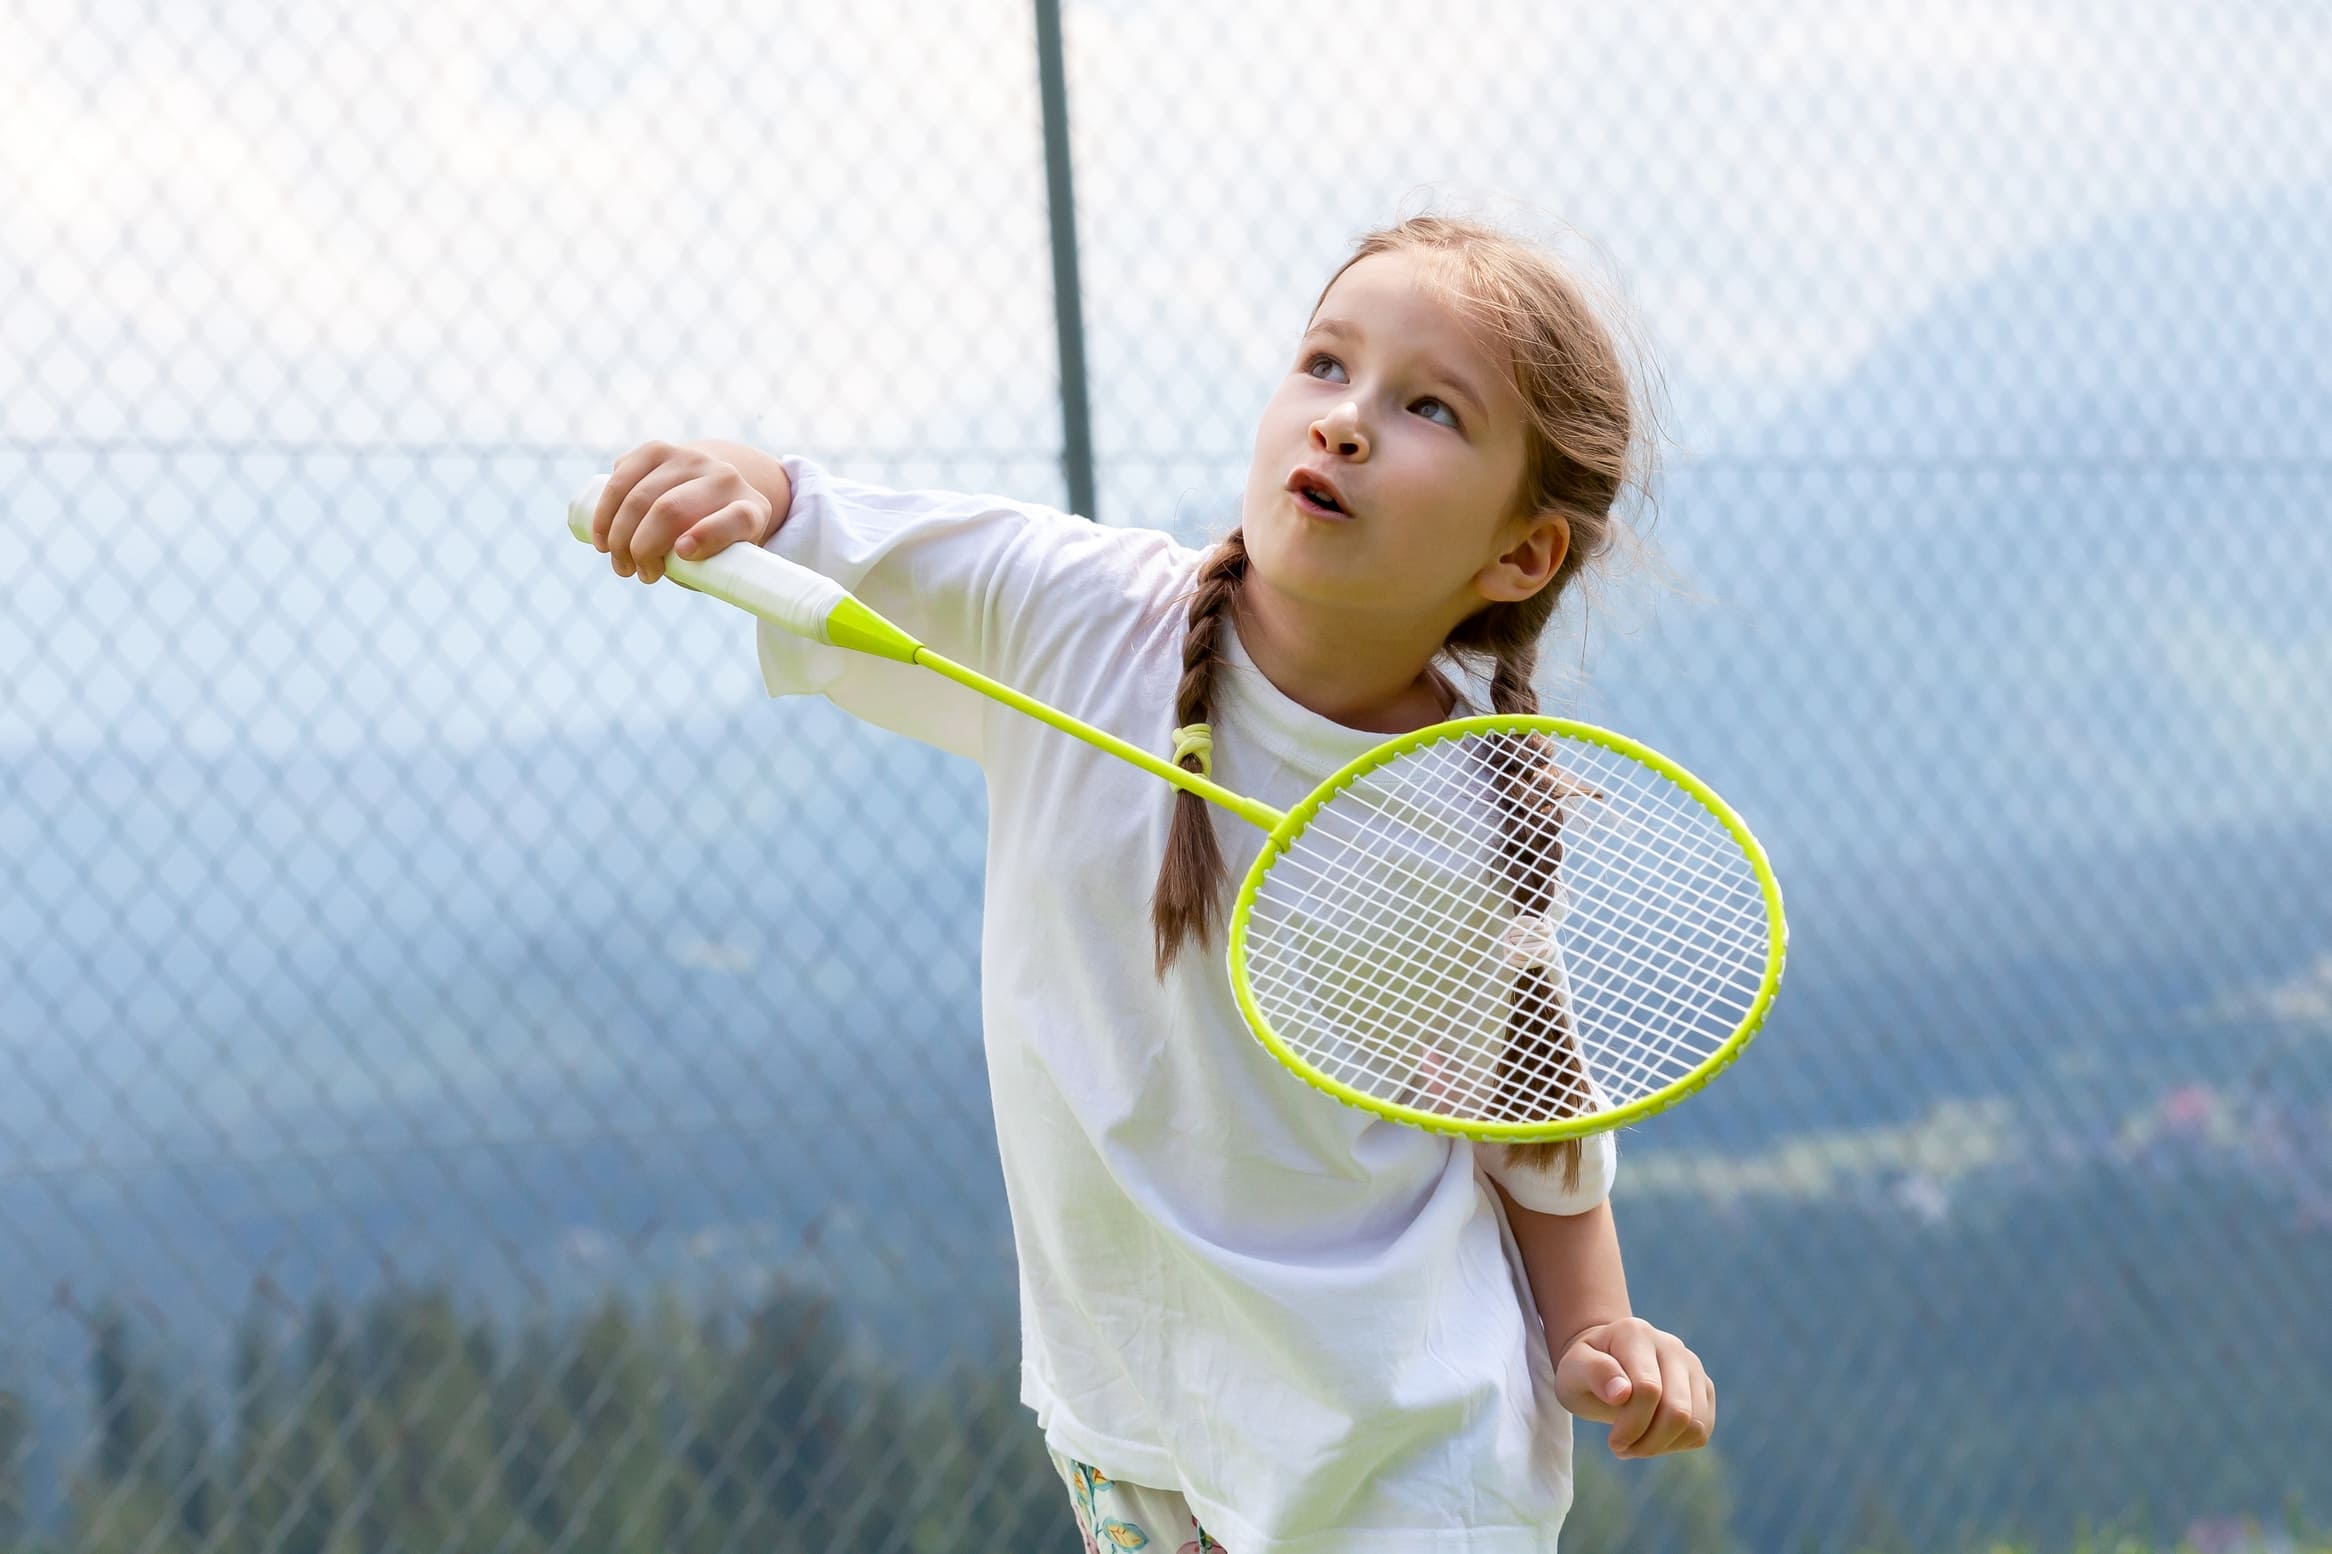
(1642, 1382)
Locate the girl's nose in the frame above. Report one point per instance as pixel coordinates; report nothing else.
(1340, 430)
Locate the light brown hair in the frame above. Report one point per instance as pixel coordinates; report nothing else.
(1584, 446)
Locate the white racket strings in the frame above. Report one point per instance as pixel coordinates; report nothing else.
(1506, 927)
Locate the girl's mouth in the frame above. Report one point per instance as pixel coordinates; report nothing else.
(1319, 507)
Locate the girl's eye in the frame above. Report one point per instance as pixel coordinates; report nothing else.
(1429, 400)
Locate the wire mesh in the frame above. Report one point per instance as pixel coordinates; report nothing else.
(461, 1084)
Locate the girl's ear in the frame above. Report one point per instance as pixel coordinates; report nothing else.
(1528, 565)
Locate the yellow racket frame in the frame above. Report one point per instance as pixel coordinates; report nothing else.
(1288, 826)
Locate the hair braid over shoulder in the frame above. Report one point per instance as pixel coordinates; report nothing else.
(1187, 901)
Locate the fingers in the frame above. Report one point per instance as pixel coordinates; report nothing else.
(739, 522)
(1673, 1405)
(1634, 1343)
(626, 473)
(1590, 1384)
(636, 482)
(1673, 1424)
(658, 495)
(643, 526)
(669, 516)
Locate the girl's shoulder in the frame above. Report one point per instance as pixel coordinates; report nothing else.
(1071, 575)
(1062, 542)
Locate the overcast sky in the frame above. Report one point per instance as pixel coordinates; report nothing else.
(546, 220)
(578, 225)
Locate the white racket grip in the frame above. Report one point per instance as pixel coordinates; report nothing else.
(779, 591)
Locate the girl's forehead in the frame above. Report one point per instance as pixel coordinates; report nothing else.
(1396, 293)
(1396, 281)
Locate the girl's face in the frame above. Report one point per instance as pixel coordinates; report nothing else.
(1415, 420)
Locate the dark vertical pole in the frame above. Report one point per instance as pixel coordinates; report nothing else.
(1068, 315)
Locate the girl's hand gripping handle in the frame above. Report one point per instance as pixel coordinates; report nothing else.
(778, 591)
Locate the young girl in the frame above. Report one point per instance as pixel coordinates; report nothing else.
(1254, 1318)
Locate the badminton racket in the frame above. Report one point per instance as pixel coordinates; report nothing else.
(1510, 928)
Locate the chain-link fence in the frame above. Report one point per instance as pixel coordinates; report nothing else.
(459, 1089)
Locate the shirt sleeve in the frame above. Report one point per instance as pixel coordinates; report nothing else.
(1541, 1187)
(935, 563)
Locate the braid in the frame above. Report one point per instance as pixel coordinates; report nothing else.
(1511, 693)
(1539, 1035)
(1188, 898)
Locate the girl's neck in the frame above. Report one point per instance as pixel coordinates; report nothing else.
(1361, 672)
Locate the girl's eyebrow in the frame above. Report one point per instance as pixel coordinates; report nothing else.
(1350, 331)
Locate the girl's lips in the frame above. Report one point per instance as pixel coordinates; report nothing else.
(1313, 510)
(1304, 479)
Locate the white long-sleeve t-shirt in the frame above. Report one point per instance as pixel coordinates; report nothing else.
(1308, 1319)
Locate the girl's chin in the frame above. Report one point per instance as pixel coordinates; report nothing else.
(1300, 531)
(1297, 567)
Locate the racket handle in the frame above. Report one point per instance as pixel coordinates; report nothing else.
(779, 591)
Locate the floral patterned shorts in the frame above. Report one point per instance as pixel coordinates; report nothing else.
(1115, 1516)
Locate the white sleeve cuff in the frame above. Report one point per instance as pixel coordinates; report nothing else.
(1540, 1187)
